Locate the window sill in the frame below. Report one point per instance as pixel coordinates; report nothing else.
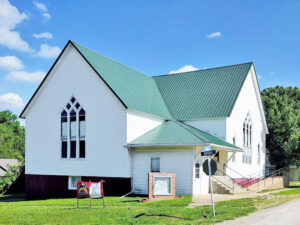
(73, 159)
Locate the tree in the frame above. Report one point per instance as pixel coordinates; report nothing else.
(12, 136)
(282, 109)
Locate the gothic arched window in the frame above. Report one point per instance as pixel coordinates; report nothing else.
(247, 139)
(73, 130)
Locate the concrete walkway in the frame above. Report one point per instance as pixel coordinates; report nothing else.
(199, 200)
(285, 214)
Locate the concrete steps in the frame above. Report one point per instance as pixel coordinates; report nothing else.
(223, 184)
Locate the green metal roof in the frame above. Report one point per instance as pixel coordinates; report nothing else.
(209, 93)
(136, 90)
(174, 133)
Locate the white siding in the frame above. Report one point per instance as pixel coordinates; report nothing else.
(139, 123)
(105, 123)
(171, 161)
(247, 102)
(216, 127)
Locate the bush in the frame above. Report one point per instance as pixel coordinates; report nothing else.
(10, 177)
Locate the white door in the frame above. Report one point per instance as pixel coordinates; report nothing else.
(196, 179)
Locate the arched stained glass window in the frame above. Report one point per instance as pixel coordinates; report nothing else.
(73, 130)
(247, 139)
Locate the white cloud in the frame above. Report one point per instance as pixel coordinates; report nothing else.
(47, 15)
(11, 101)
(183, 69)
(214, 35)
(43, 8)
(11, 63)
(31, 77)
(43, 35)
(259, 76)
(9, 18)
(40, 6)
(47, 51)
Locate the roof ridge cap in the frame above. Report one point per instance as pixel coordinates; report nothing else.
(212, 68)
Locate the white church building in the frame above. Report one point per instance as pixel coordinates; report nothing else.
(93, 118)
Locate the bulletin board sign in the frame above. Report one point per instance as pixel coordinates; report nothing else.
(161, 186)
(91, 190)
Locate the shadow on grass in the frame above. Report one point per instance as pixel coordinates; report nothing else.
(295, 186)
(161, 215)
(12, 198)
(137, 200)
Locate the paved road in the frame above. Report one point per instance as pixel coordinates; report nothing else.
(285, 214)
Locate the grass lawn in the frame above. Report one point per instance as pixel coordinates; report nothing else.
(269, 190)
(125, 211)
(294, 184)
(294, 191)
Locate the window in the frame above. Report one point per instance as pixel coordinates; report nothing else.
(233, 154)
(162, 185)
(247, 140)
(155, 165)
(258, 154)
(197, 170)
(73, 130)
(81, 133)
(73, 182)
(64, 132)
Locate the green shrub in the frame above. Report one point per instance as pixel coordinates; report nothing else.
(10, 177)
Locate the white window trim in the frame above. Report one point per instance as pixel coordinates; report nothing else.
(78, 138)
(247, 139)
(70, 187)
(152, 158)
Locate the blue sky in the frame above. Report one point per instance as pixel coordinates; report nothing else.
(154, 37)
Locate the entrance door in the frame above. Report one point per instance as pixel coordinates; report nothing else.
(196, 180)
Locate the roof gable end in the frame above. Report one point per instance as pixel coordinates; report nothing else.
(203, 94)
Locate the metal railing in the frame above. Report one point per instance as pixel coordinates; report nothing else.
(248, 182)
(261, 176)
(230, 179)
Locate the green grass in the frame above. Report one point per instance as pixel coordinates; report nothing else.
(294, 184)
(294, 191)
(14, 210)
(269, 190)
(119, 211)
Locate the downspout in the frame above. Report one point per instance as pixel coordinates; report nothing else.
(132, 186)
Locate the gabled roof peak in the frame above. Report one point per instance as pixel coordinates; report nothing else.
(202, 94)
(200, 70)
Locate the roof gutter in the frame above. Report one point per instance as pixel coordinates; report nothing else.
(183, 145)
(158, 145)
(228, 148)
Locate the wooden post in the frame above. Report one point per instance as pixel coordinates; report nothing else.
(90, 197)
(102, 181)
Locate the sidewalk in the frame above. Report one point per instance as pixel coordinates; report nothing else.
(199, 200)
(285, 214)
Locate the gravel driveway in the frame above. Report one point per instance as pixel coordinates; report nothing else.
(285, 214)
